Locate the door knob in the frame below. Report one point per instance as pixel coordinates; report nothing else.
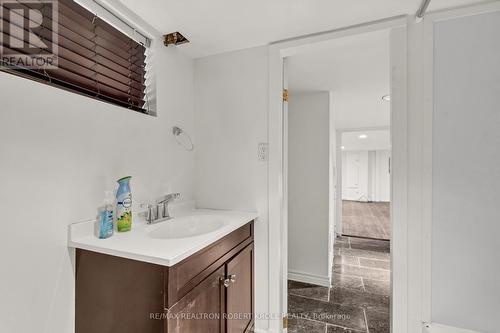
(232, 278)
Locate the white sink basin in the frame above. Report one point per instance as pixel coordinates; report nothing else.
(187, 226)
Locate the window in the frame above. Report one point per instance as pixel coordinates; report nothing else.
(93, 58)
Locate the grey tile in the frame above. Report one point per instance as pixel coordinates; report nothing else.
(341, 245)
(345, 260)
(369, 273)
(301, 325)
(377, 243)
(362, 299)
(365, 254)
(330, 313)
(378, 322)
(351, 282)
(370, 245)
(375, 263)
(308, 290)
(377, 287)
(340, 329)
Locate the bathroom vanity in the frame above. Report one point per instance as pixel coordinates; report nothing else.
(155, 281)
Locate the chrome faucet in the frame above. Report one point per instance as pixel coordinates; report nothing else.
(164, 201)
(159, 212)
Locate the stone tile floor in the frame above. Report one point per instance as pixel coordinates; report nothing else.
(357, 301)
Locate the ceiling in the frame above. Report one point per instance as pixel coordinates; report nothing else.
(218, 26)
(355, 69)
(375, 140)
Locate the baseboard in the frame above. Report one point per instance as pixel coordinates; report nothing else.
(319, 280)
(438, 328)
(260, 330)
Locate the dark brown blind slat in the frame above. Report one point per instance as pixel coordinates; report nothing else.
(122, 54)
(87, 66)
(94, 58)
(132, 53)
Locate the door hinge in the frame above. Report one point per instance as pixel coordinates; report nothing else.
(285, 322)
(285, 95)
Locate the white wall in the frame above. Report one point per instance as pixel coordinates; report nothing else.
(308, 187)
(58, 153)
(466, 173)
(231, 119)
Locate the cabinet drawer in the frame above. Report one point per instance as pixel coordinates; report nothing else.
(184, 276)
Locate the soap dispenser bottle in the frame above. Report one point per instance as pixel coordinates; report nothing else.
(106, 216)
(123, 205)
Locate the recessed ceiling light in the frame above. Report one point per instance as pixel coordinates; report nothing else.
(342, 147)
(362, 136)
(386, 98)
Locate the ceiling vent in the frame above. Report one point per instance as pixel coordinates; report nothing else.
(175, 38)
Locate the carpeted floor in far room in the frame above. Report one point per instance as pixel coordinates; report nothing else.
(366, 219)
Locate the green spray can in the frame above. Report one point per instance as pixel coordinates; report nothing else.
(124, 205)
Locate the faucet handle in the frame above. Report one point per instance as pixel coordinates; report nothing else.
(169, 197)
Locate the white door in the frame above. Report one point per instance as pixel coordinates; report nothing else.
(355, 176)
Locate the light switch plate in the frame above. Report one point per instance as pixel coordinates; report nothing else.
(262, 152)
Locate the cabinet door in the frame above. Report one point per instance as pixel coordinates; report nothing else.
(200, 310)
(240, 298)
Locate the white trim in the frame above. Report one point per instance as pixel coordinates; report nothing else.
(284, 231)
(399, 179)
(260, 330)
(122, 18)
(332, 183)
(295, 45)
(319, 280)
(427, 170)
(338, 189)
(464, 11)
(438, 328)
(275, 186)
(277, 197)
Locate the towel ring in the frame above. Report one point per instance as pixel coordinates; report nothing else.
(177, 132)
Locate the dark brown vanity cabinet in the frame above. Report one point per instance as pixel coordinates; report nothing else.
(210, 291)
(239, 293)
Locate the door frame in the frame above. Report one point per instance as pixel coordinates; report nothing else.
(338, 155)
(278, 229)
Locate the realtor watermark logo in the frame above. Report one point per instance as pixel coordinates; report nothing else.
(29, 33)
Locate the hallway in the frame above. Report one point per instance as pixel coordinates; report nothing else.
(359, 299)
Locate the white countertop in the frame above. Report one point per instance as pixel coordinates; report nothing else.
(138, 245)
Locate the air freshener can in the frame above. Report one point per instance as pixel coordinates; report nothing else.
(124, 205)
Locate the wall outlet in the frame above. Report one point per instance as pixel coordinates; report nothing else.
(262, 152)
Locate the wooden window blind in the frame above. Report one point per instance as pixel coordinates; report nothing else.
(94, 58)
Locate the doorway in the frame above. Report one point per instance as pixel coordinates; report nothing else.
(338, 282)
(279, 133)
(365, 175)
